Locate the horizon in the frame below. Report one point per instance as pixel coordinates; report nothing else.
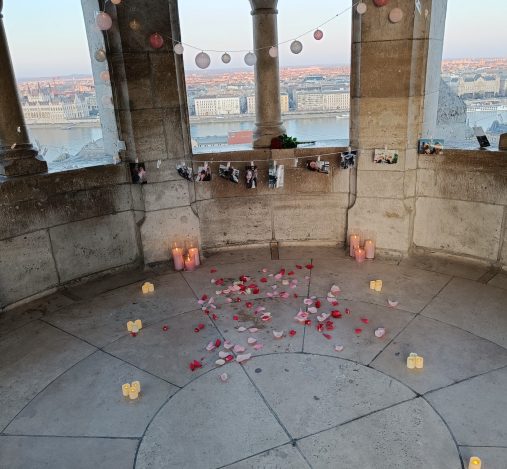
(37, 48)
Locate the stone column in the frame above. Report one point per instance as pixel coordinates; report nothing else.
(17, 156)
(268, 122)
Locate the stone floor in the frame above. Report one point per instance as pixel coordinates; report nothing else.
(296, 403)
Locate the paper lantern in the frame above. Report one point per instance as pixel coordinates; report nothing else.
(318, 34)
(105, 75)
(250, 59)
(226, 58)
(178, 48)
(380, 3)
(296, 47)
(273, 51)
(134, 25)
(156, 41)
(115, 2)
(395, 15)
(361, 8)
(103, 21)
(100, 55)
(202, 60)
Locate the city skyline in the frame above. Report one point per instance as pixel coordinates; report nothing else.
(51, 40)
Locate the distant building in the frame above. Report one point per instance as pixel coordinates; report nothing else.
(217, 105)
(318, 101)
(240, 137)
(284, 103)
(477, 86)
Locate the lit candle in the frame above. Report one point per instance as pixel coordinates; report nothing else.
(378, 285)
(354, 244)
(372, 284)
(369, 247)
(474, 463)
(148, 287)
(419, 362)
(139, 324)
(195, 253)
(133, 393)
(411, 361)
(189, 263)
(359, 255)
(125, 389)
(130, 325)
(178, 258)
(137, 385)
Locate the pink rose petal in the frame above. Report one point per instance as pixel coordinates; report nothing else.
(210, 346)
(220, 362)
(380, 332)
(224, 377)
(241, 329)
(312, 310)
(253, 329)
(223, 354)
(258, 346)
(238, 348)
(338, 348)
(244, 357)
(251, 340)
(228, 345)
(278, 334)
(308, 301)
(392, 303)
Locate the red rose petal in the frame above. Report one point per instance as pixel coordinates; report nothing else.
(228, 358)
(220, 281)
(255, 291)
(347, 311)
(196, 329)
(317, 304)
(235, 318)
(299, 267)
(264, 280)
(204, 297)
(328, 336)
(214, 316)
(365, 320)
(206, 311)
(329, 326)
(320, 327)
(165, 328)
(309, 266)
(335, 303)
(291, 272)
(133, 334)
(237, 300)
(248, 304)
(296, 295)
(292, 332)
(218, 342)
(358, 330)
(308, 322)
(336, 314)
(200, 326)
(212, 271)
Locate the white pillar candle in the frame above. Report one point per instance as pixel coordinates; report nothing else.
(195, 252)
(125, 389)
(369, 247)
(137, 385)
(359, 255)
(133, 392)
(474, 463)
(354, 244)
(178, 258)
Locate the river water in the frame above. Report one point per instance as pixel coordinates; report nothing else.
(326, 131)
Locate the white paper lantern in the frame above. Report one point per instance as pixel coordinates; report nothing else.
(250, 59)
(202, 60)
(296, 47)
(273, 51)
(100, 55)
(104, 21)
(178, 48)
(116, 2)
(361, 8)
(395, 15)
(226, 58)
(104, 75)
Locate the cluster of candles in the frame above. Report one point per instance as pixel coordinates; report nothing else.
(415, 361)
(361, 253)
(131, 390)
(185, 255)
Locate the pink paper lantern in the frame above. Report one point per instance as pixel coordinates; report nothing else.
(380, 3)
(104, 21)
(156, 41)
(318, 34)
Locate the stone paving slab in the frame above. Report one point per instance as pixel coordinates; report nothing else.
(87, 401)
(23, 452)
(408, 435)
(475, 409)
(361, 347)
(243, 255)
(103, 320)
(30, 358)
(284, 457)
(491, 457)
(283, 312)
(477, 308)
(167, 354)
(312, 393)
(499, 281)
(412, 288)
(312, 252)
(472, 270)
(210, 424)
(450, 355)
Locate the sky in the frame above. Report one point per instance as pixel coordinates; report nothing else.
(47, 37)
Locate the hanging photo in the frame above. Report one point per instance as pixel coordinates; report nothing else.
(228, 172)
(251, 176)
(184, 171)
(348, 160)
(203, 174)
(276, 175)
(384, 156)
(138, 173)
(319, 166)
(430, 146)
(481, 137)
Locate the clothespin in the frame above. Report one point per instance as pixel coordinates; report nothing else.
(251, 163)
(318, 158)
(228, 164)
(349, 149)
(295, 162)
(205, 165)
(385, 147)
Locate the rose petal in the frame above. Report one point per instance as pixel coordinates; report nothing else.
(308, 322)
(309, 266)
(308, 301)
(235, 318)
(258, 346)
(322, 317)
(365, 320)
(284, 295)
(278, 334)
(264, 270)
(338, 348)
(253, 329)
(165, 328)
(266, 316)
(214, 316)
(335, 289)
(218, 342)
(336, 314)
(220, 362)
(210, 347)
(278, 276)
(269, 294)
(228, 345)
(255, 291)
(229, 300)
(248, 304)
(317, 304)
(244, 357)
(212, 271)
(302, 316)
(229, 358)
(223, 354)
(285, 282)
(358, 330)
(238, 348)
(328, 336)
(251, 340)
(200, 326)
(241, 329)
(292, 332)
(299, 266)
(380, 332)
(347, 311)
(264, 280)
(224, 377)
(312, 310)
(392, 303)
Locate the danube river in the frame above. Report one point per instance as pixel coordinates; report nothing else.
(324, 130)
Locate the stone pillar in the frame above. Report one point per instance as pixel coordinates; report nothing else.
(388, 87)
(17, 156)
(268, 122)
